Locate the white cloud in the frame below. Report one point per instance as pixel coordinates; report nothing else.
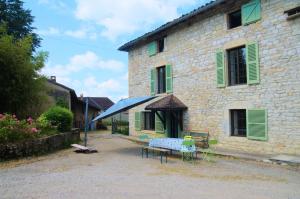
(67, 74)
(76, 33)
(90, 86)
(110, 84)
(87, 60)
(51, 31)
(112, 88)
(82, 33)
(126, 17)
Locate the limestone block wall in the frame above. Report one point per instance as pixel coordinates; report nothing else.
(191, 51)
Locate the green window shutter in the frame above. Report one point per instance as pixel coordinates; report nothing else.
(159, 126)
(257, 124)
(137, 119)
(252, 63)
(169, 79)
(251, 12)
(220, 67)
(152, 81)
(152, 48)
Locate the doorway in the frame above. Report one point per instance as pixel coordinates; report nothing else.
(175, 120)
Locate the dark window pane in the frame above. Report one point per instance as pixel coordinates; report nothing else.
(161, 79)
(237, 72)
(161, 44)
(149, 120)
(238, 122)
(234, 19)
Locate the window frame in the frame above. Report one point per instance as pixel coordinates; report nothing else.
(228, 65)
(160, 89)
(232, 125)
(160, 42)
(293, 13)
(157, 43)
(151, 122)
(228, 19)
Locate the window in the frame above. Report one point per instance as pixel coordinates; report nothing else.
(161, 45)
(293, 13)
(156, 46)
(234, 19)
(238, 122)
(161, 79)
(247, 14)
(149, 121)
(237, 72)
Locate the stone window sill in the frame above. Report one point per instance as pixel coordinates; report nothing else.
(233, 87)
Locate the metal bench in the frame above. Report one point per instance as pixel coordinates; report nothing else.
(162, 152)
(201, 138)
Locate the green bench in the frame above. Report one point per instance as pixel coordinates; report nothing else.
(201, 138)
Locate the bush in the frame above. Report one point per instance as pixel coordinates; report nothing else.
(62, 102)
(14, 130)
(60, 117)
(45, 126)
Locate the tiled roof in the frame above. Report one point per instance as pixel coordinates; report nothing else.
(169, 102)
(182, 19)
(101, 103)
(72, 91)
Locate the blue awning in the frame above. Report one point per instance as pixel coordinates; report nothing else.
(123, 105)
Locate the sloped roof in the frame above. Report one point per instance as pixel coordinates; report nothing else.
(101, 103)
(182, 19)
(72, 91)
(169, 102)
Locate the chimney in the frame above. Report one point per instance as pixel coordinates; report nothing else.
(53, 78)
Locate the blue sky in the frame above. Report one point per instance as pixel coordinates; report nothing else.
(82, 38)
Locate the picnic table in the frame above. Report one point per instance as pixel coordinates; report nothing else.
(172, 144)
(167, 143)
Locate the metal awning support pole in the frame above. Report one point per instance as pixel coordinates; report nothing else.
(112, 125)
(86, 121)
(120, 123)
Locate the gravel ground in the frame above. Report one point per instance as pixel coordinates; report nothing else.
(118, 171)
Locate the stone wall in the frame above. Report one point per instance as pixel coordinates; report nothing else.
(56, 92)
(38, 146)
(191, 51)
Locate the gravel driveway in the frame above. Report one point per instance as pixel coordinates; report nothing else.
(118, 171)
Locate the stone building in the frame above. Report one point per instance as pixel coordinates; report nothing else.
(235, 65)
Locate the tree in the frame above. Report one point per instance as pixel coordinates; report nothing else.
(22, 88)
(18, 20)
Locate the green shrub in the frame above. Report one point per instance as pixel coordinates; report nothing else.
(60, 117)
(45, 126)
(62, 102)
(42, 122)
(14, 130)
